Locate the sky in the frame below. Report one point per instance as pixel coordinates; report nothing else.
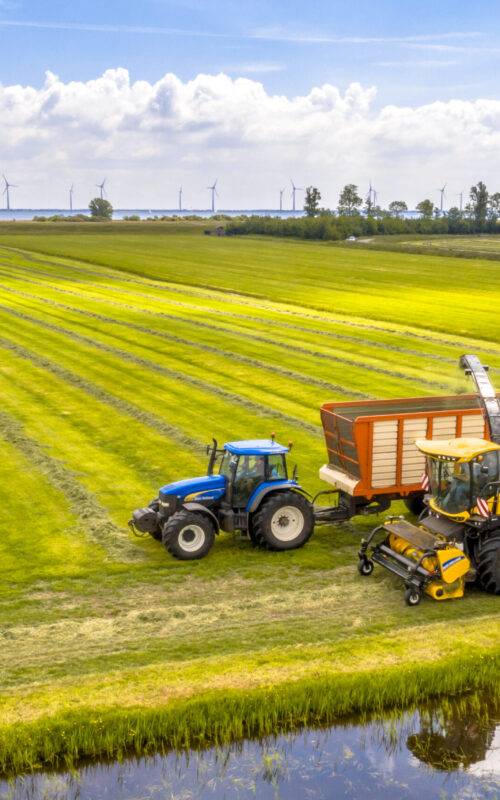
(163, 94)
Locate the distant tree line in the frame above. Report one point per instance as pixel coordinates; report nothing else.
(481, 214)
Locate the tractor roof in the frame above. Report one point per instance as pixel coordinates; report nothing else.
(256, 447)
(458, 449)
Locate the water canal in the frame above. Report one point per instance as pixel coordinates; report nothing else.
(446, 750)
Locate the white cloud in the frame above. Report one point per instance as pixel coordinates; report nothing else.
(148, 139)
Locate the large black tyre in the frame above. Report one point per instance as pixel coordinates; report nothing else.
(188, 535)
(283, 521)
(155, 505)
(488, 565)
(415, 503)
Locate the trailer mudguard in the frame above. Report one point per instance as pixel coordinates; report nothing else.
(271, 486)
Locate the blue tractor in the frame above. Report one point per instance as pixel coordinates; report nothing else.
(251, 494)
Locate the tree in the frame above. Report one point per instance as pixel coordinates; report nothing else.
(494, 206)
(397, 207)
(100, 208)
(311, 202)
(349, 201)
(479, 201)
(425, 208)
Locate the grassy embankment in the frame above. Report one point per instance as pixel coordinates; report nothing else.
(123, 351)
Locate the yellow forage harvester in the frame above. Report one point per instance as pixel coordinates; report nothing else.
(458, 534)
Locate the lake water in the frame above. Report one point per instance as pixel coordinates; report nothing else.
(118, 213)
(447, 751)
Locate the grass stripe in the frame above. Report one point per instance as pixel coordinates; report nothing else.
(123, 355)
(124, 407)
(92, 517)
(223, 354)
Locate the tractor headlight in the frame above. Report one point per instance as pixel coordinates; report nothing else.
(168, 504)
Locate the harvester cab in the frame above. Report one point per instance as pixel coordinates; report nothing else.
(458, 537)
(246, 491)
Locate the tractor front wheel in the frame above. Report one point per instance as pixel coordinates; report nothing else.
(488, 565)
(284, 521)
(188, 535)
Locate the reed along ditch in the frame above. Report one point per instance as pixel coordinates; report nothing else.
(444, 749)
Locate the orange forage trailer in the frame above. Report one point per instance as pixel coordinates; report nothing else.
(372, 458)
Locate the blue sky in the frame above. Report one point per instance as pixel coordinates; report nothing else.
(414, 52)
(150, 94)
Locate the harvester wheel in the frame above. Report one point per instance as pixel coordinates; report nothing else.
(413, 596)
(155, 505)
(488, 565)
(284, 521)
(188, 535)
(365, 566)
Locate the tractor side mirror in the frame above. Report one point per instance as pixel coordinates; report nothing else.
(484, 470)
(294, 474)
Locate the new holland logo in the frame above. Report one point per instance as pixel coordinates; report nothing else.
(455, 560)
(482, 507)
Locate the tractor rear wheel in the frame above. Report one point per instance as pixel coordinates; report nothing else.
(488, 565)
(284, 521)
(188, 535)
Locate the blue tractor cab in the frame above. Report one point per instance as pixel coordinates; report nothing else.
(246, 491)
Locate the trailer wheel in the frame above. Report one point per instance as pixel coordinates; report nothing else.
(155, 505)
(284, 521)
(413, 596)
(415, 503)
(365, 566)
(488, 565)
(188, 535)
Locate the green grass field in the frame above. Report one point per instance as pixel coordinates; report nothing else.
(480, 245)
(124, 349)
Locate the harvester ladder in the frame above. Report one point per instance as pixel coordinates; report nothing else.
(486, 393)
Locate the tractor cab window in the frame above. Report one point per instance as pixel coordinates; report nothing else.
(225, 464)
(250, 473)
(276, 468)
(484, 471)
(451, 485)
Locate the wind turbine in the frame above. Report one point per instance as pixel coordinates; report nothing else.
(180, 199)
(369, 195)
(71, 198)
(101, 187)
(6, 190)
(294, 189)
(374, 197)
(281, 199)
(214, 192)
(442, 196)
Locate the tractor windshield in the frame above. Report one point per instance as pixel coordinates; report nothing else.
(450, 484)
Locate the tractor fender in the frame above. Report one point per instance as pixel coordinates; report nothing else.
(203, 510)
(274, 486)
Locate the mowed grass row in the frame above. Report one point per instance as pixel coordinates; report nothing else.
(145, 293)
(443, 295)
(315, 353)
(111, 386)
(316, 358)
